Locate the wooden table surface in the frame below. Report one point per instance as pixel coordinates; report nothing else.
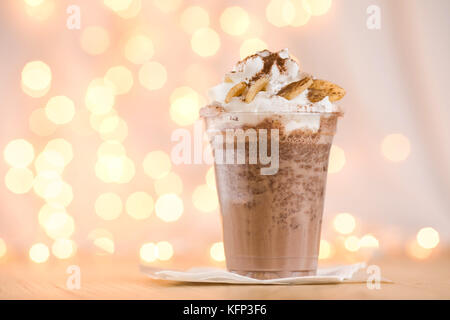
(119, 278)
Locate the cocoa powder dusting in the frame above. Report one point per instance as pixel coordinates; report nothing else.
(269, 61)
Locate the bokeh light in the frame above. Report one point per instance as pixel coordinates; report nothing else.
(169, 207)
(58, 225)
(47, 184)
(105, 245)
(108, 206)
(132, 11)
(139, 205)
(416, 251)
(63, 195)
(171, 183)
(109, 168)
(351, 243)
(61, 146)
(152, 75)
(63, 248)
(164, 250)
(326, 250)
(53, 189)
(121, 78)
(205, 199)
(108, 124)
(251, 46)
(102, 240)
(49, 160)
(337, 159)
(167, 5)
(427, 238)
(217, 252)
(39, 253)
(211, 178)
(60, 110)
(139, 49)
(104, 122)
(319, 7)
(100, 96)
(183, 93)
(184, 106)
(34, 3)
(117, 5)
(18, 153)
(33, 93)
(157, 164)
(94, 40)
(47, 210)
(302, 13)
(205, 42)
(117, 169)
(36, 78)
(234, 21)
(116, 132)
(395, 147)
(100, 232)
(19, 180)
(194, 18)
(3, 248)
(148, 252)
(344, 223)
(280, 13)
(40, 9)
(39, 123)
(368, 241)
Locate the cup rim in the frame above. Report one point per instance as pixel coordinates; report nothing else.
(257, 113)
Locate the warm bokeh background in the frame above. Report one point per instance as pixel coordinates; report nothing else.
(87, 116)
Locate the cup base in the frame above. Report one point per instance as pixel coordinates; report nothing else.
(267, 275)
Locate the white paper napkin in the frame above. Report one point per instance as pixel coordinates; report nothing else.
(347, 273)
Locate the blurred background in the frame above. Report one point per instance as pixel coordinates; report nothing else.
(91, 92)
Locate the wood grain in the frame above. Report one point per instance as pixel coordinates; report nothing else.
(119, 278)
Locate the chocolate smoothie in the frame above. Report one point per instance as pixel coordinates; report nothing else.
(272, 222)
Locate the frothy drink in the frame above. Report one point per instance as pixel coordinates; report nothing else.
(272, 222)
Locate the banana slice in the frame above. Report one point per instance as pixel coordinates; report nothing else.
(293, 89)
(325, 88)
(316, 95)
(256, 87)
(235, 91)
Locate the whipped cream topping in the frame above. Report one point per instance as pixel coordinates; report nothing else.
(280, 70)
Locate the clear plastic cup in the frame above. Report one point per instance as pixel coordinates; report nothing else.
(271, 209)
